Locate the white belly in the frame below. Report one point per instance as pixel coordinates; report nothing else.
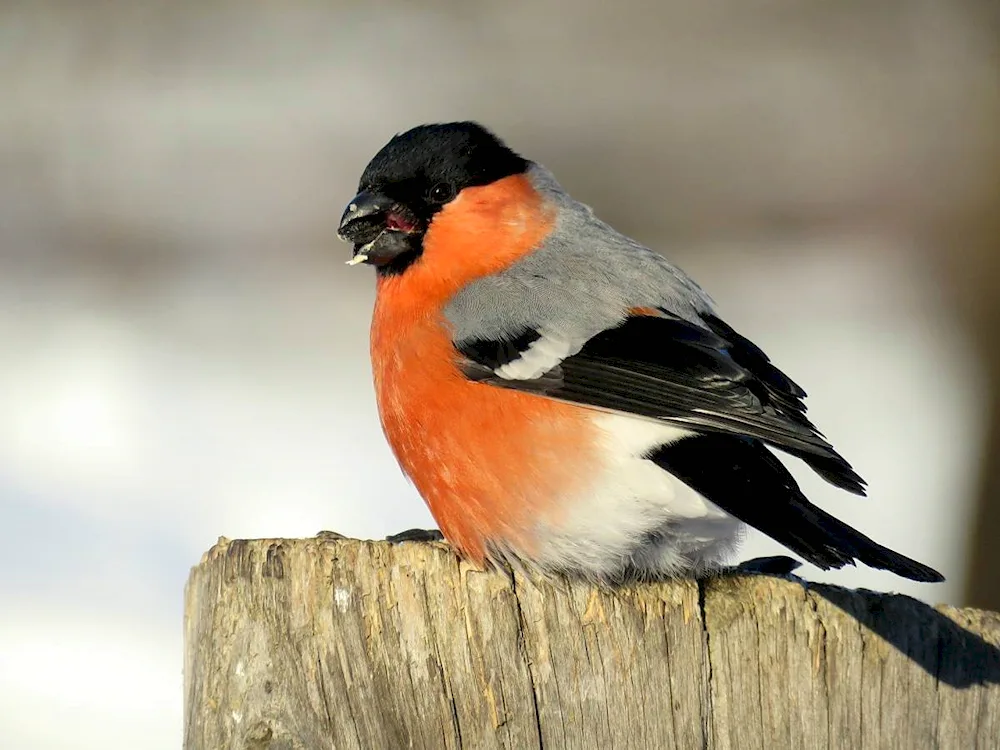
(636, 515)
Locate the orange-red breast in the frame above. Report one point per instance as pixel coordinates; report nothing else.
(561, 395)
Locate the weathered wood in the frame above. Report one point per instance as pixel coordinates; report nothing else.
(325, 643)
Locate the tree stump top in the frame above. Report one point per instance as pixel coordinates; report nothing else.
(339, 643)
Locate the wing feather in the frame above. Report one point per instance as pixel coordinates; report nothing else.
(707, 378)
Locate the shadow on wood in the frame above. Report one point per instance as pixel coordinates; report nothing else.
(319, 643)
(946, 646)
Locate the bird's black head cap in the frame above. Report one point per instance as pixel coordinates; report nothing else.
(431, 164)
(413, 177)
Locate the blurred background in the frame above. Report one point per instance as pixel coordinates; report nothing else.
(184, 354)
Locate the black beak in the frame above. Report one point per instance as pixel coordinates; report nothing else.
(364, 218)
(365, 224)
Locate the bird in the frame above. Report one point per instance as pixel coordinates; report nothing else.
(564, 398)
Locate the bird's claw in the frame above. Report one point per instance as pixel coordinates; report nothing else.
(416, 535)
(777, 565)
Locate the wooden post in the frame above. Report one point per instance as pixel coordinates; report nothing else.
(328, 643)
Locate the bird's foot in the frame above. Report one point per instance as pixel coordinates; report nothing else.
(329, 536)
(778, 565)
(416, 535)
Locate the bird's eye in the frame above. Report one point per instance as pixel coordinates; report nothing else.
(441, 193)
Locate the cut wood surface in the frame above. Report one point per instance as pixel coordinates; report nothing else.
(338, 643)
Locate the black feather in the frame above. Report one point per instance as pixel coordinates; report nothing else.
(670, 369)
(497, 353)
(745, 479)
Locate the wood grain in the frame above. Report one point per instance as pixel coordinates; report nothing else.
(337, 643)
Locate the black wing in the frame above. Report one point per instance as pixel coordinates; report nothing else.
(707, 379)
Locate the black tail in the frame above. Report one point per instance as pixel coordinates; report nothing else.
(745, 479)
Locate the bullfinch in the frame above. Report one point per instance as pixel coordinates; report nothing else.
(564, 398)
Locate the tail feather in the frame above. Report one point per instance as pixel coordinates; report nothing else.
(828, 542)
(741, 476)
